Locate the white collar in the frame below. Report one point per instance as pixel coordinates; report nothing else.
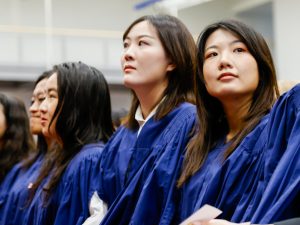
(139, 115)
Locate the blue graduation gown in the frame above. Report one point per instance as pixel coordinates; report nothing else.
(13, 210)
(138, 172)
(260, 180)
(69, 202)
(6, 185)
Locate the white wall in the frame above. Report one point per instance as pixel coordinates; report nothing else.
(287, 41)
(198, 17)
(81, 33)
(84, 14)
(88, 31)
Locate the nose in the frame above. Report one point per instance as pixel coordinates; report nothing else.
(34, 107)
(43, 107)
(225, 61)
(128, 54)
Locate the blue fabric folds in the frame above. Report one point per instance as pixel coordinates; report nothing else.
(15, 190)
(69, 202)
(138, 173)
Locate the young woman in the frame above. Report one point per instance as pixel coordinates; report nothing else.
(15, 138)
(139, 162)
(37, 98)
(16, 143)
(80, 128)
(18, 196)
(244, 159)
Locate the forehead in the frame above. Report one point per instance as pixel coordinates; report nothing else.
(40, 85)
(142, 28)
(52, 81)
(220, 36)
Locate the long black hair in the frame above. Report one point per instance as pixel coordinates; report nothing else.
(17, 141)
(213, 124)
(180, 47)
(83, 116)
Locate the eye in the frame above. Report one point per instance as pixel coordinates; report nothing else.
(125, 44)
(141, 43)
(52, 94)
(239, 50)
(41, 99)
(210, 55)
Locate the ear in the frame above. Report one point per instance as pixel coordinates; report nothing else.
(171, 67)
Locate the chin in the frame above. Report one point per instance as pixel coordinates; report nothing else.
(127, 83)
(35, 130)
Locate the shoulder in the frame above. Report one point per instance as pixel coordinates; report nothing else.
(187, 108)
(181, 114)
(10, 177)
(295, 95)
(254, 142)
(122, 134)
(179, 122)
(87, 158)
(291, 97)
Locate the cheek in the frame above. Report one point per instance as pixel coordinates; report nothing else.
(52, 107)
(207, 74)
(52, 128)
(253, 75)
(209, 81)
(122, 60)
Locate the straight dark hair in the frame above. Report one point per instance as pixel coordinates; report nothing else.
(17, 141)
(212, 122)
(83, 116)
(180, 48)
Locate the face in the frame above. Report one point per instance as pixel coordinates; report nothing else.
(230, 71)
(144, 61)
(37, 98)
(48, 107)
(2, 121)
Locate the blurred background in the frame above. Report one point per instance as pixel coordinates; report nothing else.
(36, 34)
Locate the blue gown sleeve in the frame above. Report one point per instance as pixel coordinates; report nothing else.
(281, 196)
(78, 184)
(113, 164)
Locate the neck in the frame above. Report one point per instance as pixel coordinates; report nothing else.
(149, 98)
(235, 111)
(50, 143)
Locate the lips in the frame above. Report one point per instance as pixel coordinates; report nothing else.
(43, 121)
(128, 68)
(225, 76)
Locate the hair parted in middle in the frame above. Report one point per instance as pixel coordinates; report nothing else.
(180, 48)
(212, 121)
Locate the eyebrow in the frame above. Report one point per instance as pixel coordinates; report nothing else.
(141, 36)
(39, 93)
(52, 89)
(231, 43)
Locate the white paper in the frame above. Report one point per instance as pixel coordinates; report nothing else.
(205, 213)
